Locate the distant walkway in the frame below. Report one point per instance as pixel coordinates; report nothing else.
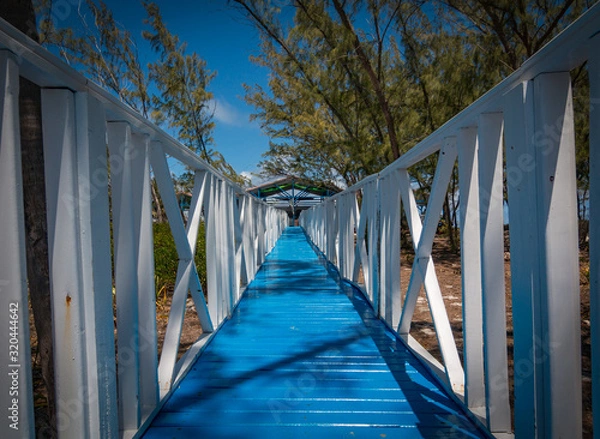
(305, 357)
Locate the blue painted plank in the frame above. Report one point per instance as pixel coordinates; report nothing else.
(304, 356)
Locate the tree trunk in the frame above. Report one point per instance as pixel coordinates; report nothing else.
(160, 216)
(378, 87)
(34, 191)
(20, 13)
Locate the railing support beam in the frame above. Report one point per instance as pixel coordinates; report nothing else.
(544, 258)
(470, 253)
(14, 345)
(491, 203)
(147, 337)
(126, 254)
(78, 234)
(390, 248)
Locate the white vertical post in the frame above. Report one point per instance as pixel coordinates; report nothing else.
(346, 234)
(260, 234)
(223, 290)
(470, 267)
(373, 234)
(518, 120)
(390, 248)
(491, 203)
(552, 277)
(64, 248)
(148, 343)
(330, 230)
(96, 264)
(360, 250)
(248, 237)
(14, 344)
(238, 215)
(126, 255)
(211, 250)
(594, 222)
(229, 261)
(557, 204)
(58, 109)
(383, 250)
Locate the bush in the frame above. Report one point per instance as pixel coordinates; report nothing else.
(166, 259)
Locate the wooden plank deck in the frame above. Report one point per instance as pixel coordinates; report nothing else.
(304, 356)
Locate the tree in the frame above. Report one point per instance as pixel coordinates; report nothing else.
(355, 83)
(330, 102)
(183, 101)
(511, 31)
(104, 51)
(20, 13)
(107, 53)
(182, 81)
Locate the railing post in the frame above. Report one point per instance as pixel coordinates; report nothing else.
(544, 257)
(96, 268)
(126, 254)
(331, 230)
(248, 238)
(346, 235)
(147, 336)
(594, 224)
(212, 266)
(491, 203)
(390, 248)
(16, 397)
(73, 132)
(373, 233)
(230, 265)
(471, 271)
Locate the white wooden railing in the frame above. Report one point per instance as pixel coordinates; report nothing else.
(92, 141)
(528, 121)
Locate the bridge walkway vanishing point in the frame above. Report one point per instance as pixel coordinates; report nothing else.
(303, 355)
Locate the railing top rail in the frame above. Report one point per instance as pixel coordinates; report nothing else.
(47, 70)
(566, 51)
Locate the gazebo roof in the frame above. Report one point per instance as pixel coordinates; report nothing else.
(292, 193)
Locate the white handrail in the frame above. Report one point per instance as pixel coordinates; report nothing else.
(531, 114)
(99, 394)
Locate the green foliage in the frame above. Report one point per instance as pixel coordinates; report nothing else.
(171, 90)
(182, 80)
(103, 50)
(353, 85)
(166, 259)
(341, 70)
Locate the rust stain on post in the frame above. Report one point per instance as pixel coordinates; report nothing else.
(68, 300)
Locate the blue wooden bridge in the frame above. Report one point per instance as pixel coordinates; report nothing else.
(307, 331)
(305, 356)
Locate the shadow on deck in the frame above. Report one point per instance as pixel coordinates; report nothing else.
(305, 356)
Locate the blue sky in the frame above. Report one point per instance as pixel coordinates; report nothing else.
(225, 39)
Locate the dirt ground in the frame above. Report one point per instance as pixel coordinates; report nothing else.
(448, 272)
